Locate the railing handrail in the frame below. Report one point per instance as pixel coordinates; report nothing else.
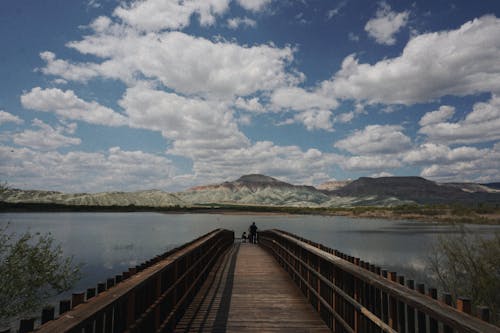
(100, 303)
(431, 307)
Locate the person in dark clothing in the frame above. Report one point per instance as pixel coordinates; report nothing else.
(253, 233)
(244, 237)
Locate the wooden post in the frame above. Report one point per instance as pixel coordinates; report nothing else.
(393, 305)
(48, 314)
(464, 305)
(90, 293)
(422, 322)
(385, 302)
(401, 309)
(446, 299)
(77, 299)
(410, 312)
(433, 324)
(101, 286)
(110, 283)
(483, 313)
(64, 306)
(27, 325)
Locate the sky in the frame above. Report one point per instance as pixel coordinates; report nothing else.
(102, 95)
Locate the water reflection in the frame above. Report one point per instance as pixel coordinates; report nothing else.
(109, 243)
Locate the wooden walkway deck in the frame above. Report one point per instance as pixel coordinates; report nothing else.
(247, 291)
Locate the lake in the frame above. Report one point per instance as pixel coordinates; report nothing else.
(108, 243)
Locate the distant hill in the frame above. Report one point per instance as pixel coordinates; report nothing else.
(256, 189)
(416, 189)
(151, 198)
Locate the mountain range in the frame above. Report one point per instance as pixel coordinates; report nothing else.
(256, 189)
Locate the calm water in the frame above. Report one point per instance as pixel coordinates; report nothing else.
(109, 243)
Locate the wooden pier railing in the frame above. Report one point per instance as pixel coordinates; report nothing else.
(354, 296)
(148, 298)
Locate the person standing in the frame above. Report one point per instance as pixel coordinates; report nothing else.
(253, 233)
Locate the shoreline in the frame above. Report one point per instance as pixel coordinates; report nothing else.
(434, 214)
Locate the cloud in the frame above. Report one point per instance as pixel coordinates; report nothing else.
(386, 24)
(376, 139)
(6, 117)
(428, 153)
(67, 105)
(345, 117)
(336, 10)
(444, 113)
(254, 5)
(251, 104)
(480, 169)
(381, 174)
(480, 125)
(46, 137)
(370, 163)
(156, 15)
(236, 22)
(289, 163)
(457, 62)
(353, 37)
(313, 120)
(173, 58)
(296, 98)
(192, 123)
(77, 171)
(81, 72)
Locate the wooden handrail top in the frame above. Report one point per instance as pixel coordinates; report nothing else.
(105, 299)
(432, 307)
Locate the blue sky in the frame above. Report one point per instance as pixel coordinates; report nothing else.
(102, 95)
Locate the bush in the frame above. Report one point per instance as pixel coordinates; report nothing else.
(469, 265)
(33, 269)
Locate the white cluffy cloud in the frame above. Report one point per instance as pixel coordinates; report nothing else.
(444, 112)
(67, 105)
(254, 5)
(78, 171)
(441, 154)
(173, 58)
(296, 98)
(386, 24)
(45, 137)
(155, 15)
(456, 62)
(480, 125)
(236, 22)
(462, 166)
(376, 139)
(312, 120)
(6, 117)
(251, 104)
(194, 124)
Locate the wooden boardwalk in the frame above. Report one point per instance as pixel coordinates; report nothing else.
(247, 291)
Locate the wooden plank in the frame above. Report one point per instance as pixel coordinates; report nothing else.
(265, 299)
(262, 298)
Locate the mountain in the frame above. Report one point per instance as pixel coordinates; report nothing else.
(415, 189)
(151, 198)
(256, 189)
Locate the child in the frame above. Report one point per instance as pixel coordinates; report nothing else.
(244, 237)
